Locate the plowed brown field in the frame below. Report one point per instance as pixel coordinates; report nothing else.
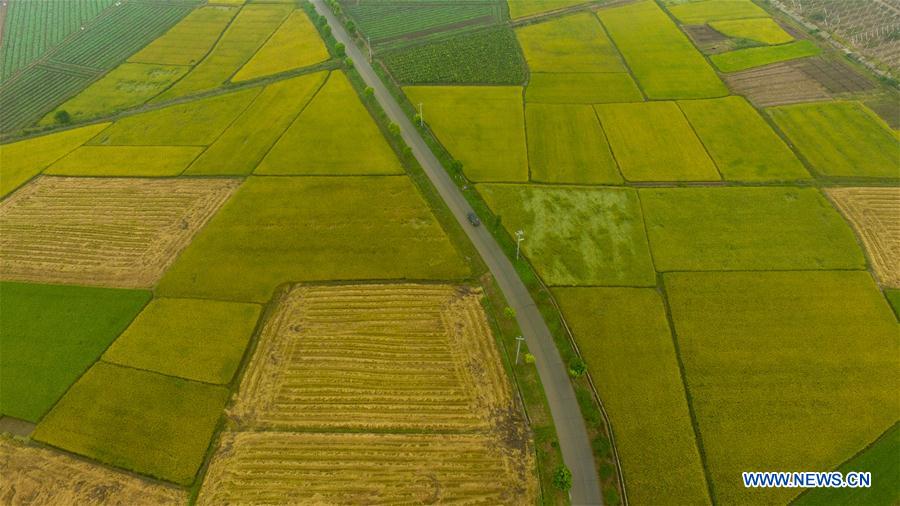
(375, 357)
(115, 232)
(308, 468)
(32, 475)
(875, 214)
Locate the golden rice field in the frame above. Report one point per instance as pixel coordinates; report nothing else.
(375, 357)
(310, 468)
(873, 212)
(33, 475)
(115, 232)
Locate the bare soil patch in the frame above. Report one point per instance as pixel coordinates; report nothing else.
(888, 108)
(835, 76)
(778, 84)
(311, 468)
(399, 356)
(114, 232)
(33, 475)
(15, 426)
(875, 214)
(707, 39)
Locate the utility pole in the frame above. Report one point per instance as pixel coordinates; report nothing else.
(520, 236)
(519, 340)
(421, 115)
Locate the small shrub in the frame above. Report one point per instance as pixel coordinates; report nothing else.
(509, 312)
(577, 367)
(529, 358)
(394, 129)
(62, 117)
(340, 49)
(562, 478)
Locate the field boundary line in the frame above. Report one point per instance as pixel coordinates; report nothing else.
(620, 476)
(227, 127)
(228, 80)
(689, 400)
(291, 124)
(700, 140)
(204, 57)
(625, 65)
(608, 145)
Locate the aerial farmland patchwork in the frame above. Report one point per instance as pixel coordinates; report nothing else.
(465, 252)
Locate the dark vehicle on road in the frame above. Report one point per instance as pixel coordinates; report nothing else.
(473, 219)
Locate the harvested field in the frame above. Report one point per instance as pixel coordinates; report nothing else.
(304, 468)
(381, 357)
(873, 213)
(33, 475)
(835, 76)
(778, 84)
(108, 232)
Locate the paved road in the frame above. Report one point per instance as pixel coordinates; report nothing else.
(573, 438)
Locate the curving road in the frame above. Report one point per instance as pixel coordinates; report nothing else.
(570, 428)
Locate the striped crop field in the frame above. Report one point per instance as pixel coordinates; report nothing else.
(873, 213)
(461, 469)
(374, 394)
(112, 232)
(33, 27)
(63, 71)
(375, 357)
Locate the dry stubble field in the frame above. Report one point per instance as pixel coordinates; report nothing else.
(49, 477)
(375, 394)
(873, 213)
(110, 232)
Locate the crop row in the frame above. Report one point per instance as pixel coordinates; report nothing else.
(387, 21)
(490, 56)
(117, 34)
(33, 27)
